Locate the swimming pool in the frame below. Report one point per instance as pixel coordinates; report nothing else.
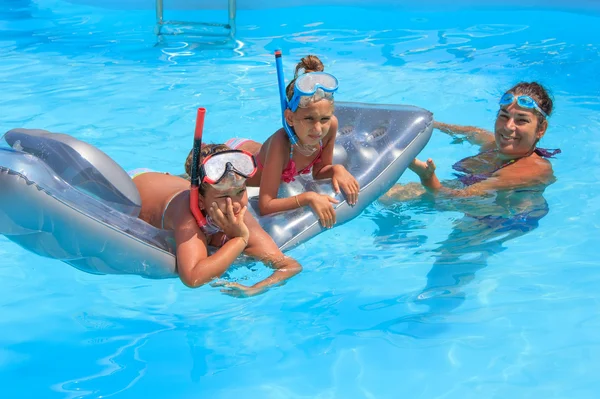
(406, 301)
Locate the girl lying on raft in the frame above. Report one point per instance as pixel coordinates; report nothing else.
(223, 201)
(509, 158)
(310, 119)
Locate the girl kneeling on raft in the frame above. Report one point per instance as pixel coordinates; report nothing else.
(222, 200)
(306, 142)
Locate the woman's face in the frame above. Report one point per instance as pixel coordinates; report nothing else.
(518, 130)
(312, 123)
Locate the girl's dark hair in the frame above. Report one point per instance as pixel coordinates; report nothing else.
(535, 91)
(205, 151)
(310, 63)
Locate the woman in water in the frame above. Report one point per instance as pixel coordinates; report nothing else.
(223, 202)
(510, 166)
(509, 157)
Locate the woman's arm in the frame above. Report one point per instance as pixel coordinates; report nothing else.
(194, 266)
(472, 134)
(262, 247)
(525, 173)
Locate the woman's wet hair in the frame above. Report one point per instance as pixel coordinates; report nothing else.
(537, 92)
(310, 63)
(205, 151)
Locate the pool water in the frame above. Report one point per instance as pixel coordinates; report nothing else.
(414, 300)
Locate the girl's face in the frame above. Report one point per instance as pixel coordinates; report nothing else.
(312, 123)
(234, 188)
(518, 130)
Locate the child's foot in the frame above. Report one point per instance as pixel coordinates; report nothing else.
(423, 169)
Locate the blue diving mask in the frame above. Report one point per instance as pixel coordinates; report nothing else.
(312, 87)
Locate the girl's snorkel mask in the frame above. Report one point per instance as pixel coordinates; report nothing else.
(310, 87)
(218, 169)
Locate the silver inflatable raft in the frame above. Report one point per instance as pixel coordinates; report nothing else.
(65, 199)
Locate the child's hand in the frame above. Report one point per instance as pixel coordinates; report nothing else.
(231, 224)
(322, 206)
(344, 180)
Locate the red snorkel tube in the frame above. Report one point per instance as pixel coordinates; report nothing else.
(194, 208)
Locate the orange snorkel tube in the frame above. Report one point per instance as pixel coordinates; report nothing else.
(194, 208)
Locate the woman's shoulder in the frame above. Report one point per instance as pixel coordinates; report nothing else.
(532, 168)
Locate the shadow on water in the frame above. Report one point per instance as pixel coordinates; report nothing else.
(483, 230)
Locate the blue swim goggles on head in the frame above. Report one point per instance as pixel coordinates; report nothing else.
(312, 86)
(522, 101)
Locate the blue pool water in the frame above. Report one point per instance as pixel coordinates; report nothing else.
(409, 301)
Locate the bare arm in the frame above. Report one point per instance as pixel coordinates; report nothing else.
(472, 134)
(262, 247)
(268, 202)
(194, 266)
(525, 173)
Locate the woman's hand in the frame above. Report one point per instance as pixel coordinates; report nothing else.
(343, 179)
(322, 205)
(232, 225)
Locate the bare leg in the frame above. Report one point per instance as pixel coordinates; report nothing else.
(402, 192)
(253, 147)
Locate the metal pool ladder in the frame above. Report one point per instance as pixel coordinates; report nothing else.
(211, 32)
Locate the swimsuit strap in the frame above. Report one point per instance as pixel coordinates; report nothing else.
(162, 219)
(468, 178)
(546, 153)
(210, 228)
(472, 178)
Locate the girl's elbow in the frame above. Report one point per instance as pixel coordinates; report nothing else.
(291, 265)
(192, 280)
(191, 283)
(263, 209)
(297, 268)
